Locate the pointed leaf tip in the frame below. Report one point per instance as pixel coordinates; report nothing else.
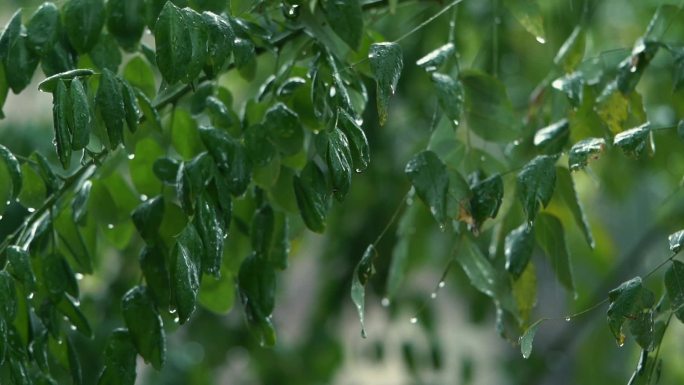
(527, 338)
(362, 274)
(386, 61)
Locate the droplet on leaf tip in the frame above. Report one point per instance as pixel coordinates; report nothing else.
(385, 302)
(441, 284)
(31, 209)
(29, 296)
(568, 319)
(433, 295)
(143, 197)
(176, 320)
(131, 156)
(414, 320)
(541, 40)
(72, 327)
(79, 276)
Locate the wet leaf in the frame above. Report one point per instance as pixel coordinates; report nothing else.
(488, 110)
(147, 218)
(449, 95)
(230, 157)
(529, 15)
(634, 142)
(70, 309)
(527, 338)
(173, 43)
(33, 190)
(219, 44)
(58, 276)
(18, 60)
(155, 270)
(536, 182)
(313, 201)
(263, 227)
(60, 113)
(8, 299)
(486, 200)
(110, 104)
(386, 62)
(74, 363)
(257, 284)
(676, 241)
(674, 285)
(260, 149)
(566, 188)
(144, 325)
(20, 266)
(339, 160)
(166, 169)
(211, 231)
(119, 359)
(641, 328)
(50, 84)
(126, 21)
(14, 170)
(363, 271)
(41, 29)
(83, 20)
(626, 301)
(553, 137)
(584, 150)
(186, 267)
(518, 248)
(79, 206)
(358, 144)
(131, 106)
(572, 86)
(571, 52)
(549, 233)
(197, 29)
(346, 19)
(81, 115)
(284, 129)
(429, 177)
(436, 58)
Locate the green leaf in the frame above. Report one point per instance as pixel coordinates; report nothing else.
(139, 74)
(4, 88)
(358, 144)
(50, 84)
(60, 111)
(79, 205)
(8, 298)
(346, 19)
(571, 52)
(257, 284)
(219, 113)
(147, 218)
(613, 108)
(260, 149)
(245, 57)
(582, 151)
(106, 53)
(230, 157)
(486, 200)
(572, 86)
(642, 328)
(566, 188)
(211, 231)
(525, 293)
(218, 294)
(311, 192)
(219, 44)
(518, 248)
(110, 104)
(119, 358)
(339, 160)
(549, 233)
(528, 14)
(184, 134)
(527, 338)
(83, 20)
(58, 276)
(449, 95)
(536, 182)
(154, 268)
(676, 241)
(20, 266)
(263, 228)
(488, 110)
(436, 58)
(165, 169)
(33, 191)
(281, 241)
(430, 179)
(14, 170)
(126, 21)
(284, 129)
(634, 142)
(74, 363)
(197, 29)
(553, 137)
(144, 166)
(19, 62)
(174, 45)
(81, 115)
(674, 285)
(144, 325)
(386, 62)
(626, 302)
(186, 260)
(363, 271)
(41, 29)
(72, 312)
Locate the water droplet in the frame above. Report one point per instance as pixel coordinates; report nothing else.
(333, 92)
(358, 170)
(172, 310)
(131, 156)
(72, 327)
(143, 197)
(409, 201)
(482, 158)
(31, 209)
(79, 276)
(414, 320)
(29, 296)
(110, 226)
(8, 203)
(516, 142)
(60, 341)
(77, 303)
(176, 320)
(441, 284)
(433, 295)
(456, 122)
(442, 227)
(541, 40)
(385, 302)
(568, 319)
(621, 344)
(633, 69)
(0, 217)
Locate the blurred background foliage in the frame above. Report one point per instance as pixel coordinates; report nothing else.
(632, 204)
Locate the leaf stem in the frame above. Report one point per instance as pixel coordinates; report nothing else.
(392, 219)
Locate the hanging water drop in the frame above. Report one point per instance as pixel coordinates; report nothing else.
(414, 320)
(143, 197)
(29, 296)
(0, 217)
(433, 295)
(385, 302)
(131, 156)
(110, 226)
(8, 203)
(541, 40)
(358, 170)
(568, 319)
(72, 327)
(79, 276)
(176, 320)
(77, 303)
(31, 209)
(441, 284)
(172, 310)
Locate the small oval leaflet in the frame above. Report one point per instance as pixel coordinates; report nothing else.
(676, 241)
(386, 63)
(582, 151)
(527, 338)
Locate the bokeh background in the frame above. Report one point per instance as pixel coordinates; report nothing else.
(632, 206)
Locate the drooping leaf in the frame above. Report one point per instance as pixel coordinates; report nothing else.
(245, 57)
(219, 113)
(147, 218)
(311, 192)
(14, 170)
(81, 115)
(8, 298)
(173, 43)
(60, 111)
(186, 267)
(41, 29)
(260, 149)
(436, 58)
(20, 266)
(281, 241)
(58, 277)
(571, 52)
(71, 310)
(83, 20)
(106, 54)
(386, 62)
(257, 284)
(518, 248)
(197, 28)
(641, 328)
(634, 142)
(488, 111)
(676, 241)
(110, 104)
(363, 271)
(211, 232)
(486, 200)
(144, 325)
(529, 15)
(119, 358)
(339, 159)
(126, 21)
(429, 177)
(230, 157)
(582, 151)
(358, 144)
(154, 268)
(346, 19)
(263, 227)
(131, 106)
(284, 129)
(553, 137)
(549, 233)
(33, 190)
(536, 182)
(674, 285)
(525, 293)
(566, 188)
(527, 338)
(50, 84)
(626, 301)
(18, 60)
(450, 96)
(572, 86)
